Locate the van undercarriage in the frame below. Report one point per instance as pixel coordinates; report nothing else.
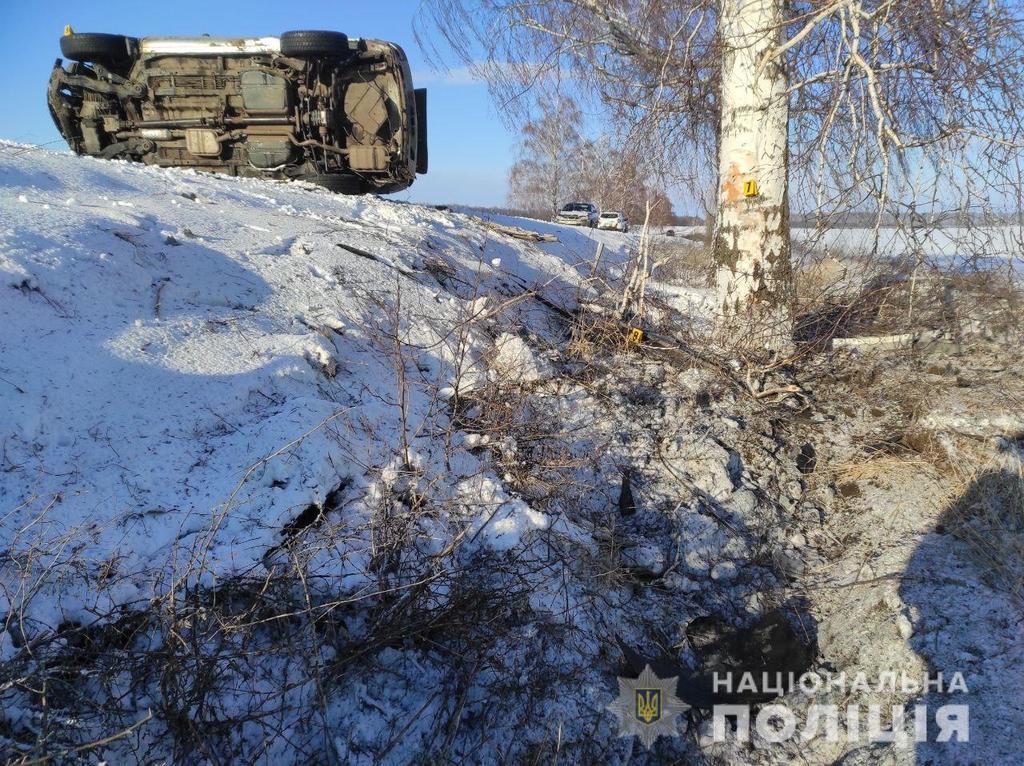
(309, 105)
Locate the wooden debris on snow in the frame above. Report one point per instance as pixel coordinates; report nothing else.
(518, 233)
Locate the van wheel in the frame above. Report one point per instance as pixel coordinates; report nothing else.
(314, 43)
(96, 46)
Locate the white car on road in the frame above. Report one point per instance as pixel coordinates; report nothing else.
(611, 219)
(578, 214)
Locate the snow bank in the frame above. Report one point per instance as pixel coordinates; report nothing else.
(355, 458)
(189, 362)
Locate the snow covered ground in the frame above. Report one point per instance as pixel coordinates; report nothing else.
(954, 246)
(190, 362)
(293, 477)
(194, 369)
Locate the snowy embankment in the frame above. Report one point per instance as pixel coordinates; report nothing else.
(288, 476)
(188, 363)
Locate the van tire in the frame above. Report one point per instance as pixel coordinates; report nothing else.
(96, 46)
(314, 44)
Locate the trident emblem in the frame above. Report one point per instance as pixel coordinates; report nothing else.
(648, 705)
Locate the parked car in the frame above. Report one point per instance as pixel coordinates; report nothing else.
(578, 214)
(309, 105)
(611, 219)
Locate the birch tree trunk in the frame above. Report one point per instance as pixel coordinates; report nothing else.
(751, 249)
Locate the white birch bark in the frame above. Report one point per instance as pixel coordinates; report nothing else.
(752, 248)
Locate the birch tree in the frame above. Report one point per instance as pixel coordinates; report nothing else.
(751, 248)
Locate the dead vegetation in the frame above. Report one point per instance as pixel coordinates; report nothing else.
(935, 410)
(680, 262)
(517, 232)
(986, 510)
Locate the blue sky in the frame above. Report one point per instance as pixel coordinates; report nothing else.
(470, 149)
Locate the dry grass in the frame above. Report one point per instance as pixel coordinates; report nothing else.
(813, 279)
(985, 509)
(684, 263)
(595, 336)
(882, 469)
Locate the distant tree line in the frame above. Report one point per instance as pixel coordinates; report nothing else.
(557, 164)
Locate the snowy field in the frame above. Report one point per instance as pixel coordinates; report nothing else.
(949, 247)
(959, 248)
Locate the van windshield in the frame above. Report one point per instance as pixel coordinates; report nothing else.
(576, 207)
